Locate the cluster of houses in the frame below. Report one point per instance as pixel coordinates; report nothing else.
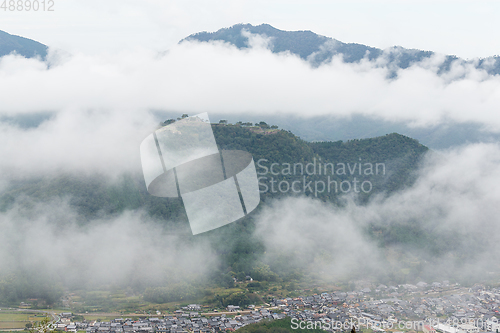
(180, 322)
(460, 310)
(438, 307)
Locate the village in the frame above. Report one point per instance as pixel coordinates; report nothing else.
(428, 308)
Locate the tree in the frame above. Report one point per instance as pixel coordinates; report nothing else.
(185, 115)
(240, 276)
(43, 326)
(291, 287)
(262, 272)
(262, 124)
(223, 122)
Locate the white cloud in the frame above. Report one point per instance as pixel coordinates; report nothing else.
(102, 103)
(47, 238)
(454, 202)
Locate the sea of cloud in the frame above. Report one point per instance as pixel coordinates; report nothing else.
(102, 106)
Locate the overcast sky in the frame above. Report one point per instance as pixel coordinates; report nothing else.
(464, 28)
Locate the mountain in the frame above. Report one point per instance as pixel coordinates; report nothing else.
(23, 46)
(240, 248)
(302, 43)
(93, 200)
(319, 49)
(330, 128)
(93, 197)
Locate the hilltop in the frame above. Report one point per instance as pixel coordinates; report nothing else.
(92, 197)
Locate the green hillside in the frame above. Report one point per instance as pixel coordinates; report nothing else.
(92, 196)
(240, 253)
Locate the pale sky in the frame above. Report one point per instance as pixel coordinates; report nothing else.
(464, 28)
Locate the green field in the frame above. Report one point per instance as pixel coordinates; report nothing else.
(17, 320)
(14, 316)
(7, 325)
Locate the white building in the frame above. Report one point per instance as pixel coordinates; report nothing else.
(468, 328)
(492, 325)
(443, 328)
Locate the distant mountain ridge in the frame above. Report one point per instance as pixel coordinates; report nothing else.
(23, 46)
(319, 49)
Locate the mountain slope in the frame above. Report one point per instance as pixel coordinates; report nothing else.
(93, 197)
(94, 200)
(319, 49)
(23, 46)
(302, 43)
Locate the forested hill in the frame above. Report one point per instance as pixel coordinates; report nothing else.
(23, 46)
(340, 163)
(239, 251)
(320, 49)
(392, 158)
